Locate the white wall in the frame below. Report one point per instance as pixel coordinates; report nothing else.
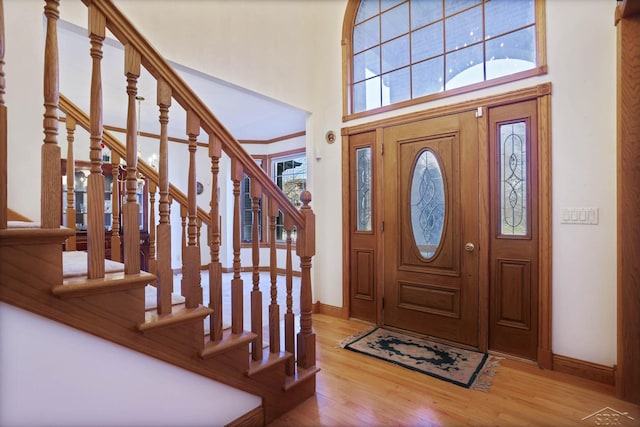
(290, 51)
(55, 375)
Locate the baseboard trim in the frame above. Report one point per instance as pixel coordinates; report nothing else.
(252, 418)
(581, 368)
(330, 310)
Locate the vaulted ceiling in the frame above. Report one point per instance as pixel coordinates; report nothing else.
(246, 114)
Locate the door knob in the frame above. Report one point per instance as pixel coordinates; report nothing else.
(469, 247)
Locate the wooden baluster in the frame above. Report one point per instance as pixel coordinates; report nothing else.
(51, 188)
(274, 309)
(215, 267)
(183, 216)
(256, 294)
(153, 266)
(237, 290)
(289, 317)
(164, 272)
(115, 207)
(198, 230)
(306, 248)
(131, 209)
(95, 183)
(191, 261)
(3, 130)
(71, 182)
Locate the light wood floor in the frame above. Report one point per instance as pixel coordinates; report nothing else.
(356, 390)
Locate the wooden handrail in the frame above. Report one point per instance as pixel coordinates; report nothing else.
(158, 67)
(114, 144)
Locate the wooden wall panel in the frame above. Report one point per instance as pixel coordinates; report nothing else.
(628, 372)
(513, 292)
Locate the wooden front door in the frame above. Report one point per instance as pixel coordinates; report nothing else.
(431, 196)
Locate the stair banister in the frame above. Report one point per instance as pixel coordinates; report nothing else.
(274, 309)
(215, 267)
(131, 209)
(118, 150)
(237, 302)
(51, 188)
(163, 235)
(289, 317)
(158, 67)
(120, 314)
(70, 124)
(153, 263)
(115, 207)
(256, 294)
(95, 181)
(191, 257)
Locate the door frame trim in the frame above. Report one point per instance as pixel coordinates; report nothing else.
(542, 94)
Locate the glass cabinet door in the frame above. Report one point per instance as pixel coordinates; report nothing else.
(81, 178)
(108, 189)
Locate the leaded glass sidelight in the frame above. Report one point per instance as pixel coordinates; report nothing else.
(363, 189)
(427, 203)
(513, 179)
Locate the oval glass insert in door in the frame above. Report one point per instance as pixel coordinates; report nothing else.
(427, 204)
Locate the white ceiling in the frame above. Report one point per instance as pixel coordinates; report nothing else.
(246, 114)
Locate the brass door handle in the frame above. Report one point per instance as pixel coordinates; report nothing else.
(469, 247)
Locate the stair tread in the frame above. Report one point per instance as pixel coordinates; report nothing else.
(268, 359)
(33, 235)
(301, 375)
(74, 263)
(179, 315)
(228, 342)
(79, 286)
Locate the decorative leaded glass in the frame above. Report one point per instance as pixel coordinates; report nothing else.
(363, 189)
(513, 179)
(427, 204)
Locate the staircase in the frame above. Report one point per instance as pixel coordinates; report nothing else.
(107, 298)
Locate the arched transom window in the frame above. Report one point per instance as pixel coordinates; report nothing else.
(405, 51)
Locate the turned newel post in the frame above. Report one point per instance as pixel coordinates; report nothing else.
(306, 248)
(51, 188)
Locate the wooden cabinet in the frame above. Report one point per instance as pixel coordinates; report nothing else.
(112, 176)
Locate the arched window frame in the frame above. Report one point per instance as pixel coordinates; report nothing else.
(347, 66)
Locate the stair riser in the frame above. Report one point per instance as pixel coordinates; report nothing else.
(182, 339)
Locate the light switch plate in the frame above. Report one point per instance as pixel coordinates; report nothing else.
(586, 216)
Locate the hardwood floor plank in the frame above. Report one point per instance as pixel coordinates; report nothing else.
(357, 390)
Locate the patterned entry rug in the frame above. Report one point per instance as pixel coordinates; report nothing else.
(466, 368)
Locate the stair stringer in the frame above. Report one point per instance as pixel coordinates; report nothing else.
(75, 378)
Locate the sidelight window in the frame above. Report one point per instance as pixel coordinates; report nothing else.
(513, 179)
